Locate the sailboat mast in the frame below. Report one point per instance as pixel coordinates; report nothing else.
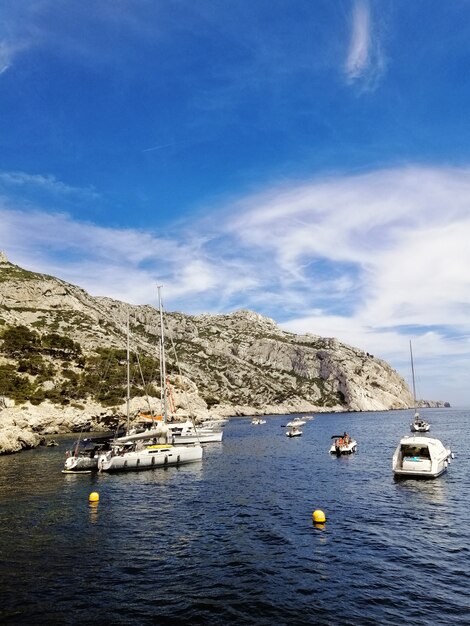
(162, 357)
(413, 375)
(128, 394)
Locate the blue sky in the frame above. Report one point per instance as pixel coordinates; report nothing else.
(306, 160)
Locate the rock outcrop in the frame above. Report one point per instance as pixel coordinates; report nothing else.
(240, 363)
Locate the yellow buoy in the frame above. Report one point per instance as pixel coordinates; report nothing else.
(318, 517)
(94, 497)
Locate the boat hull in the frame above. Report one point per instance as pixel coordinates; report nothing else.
(81, 463)
(201, 437)
(149, 458)
(294, 433)
(340, 449)
(419, 428)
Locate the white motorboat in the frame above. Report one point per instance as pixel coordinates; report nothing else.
(180, 433)
(418, 425)
(83, 457)
(343, 444)
(420, 456)
(293, 431)
(296, 423)
(257, 421)
(148, 449)
(187, 432)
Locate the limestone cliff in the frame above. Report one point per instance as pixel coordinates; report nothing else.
(240, 363)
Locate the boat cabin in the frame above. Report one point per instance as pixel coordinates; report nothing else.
(414, 457)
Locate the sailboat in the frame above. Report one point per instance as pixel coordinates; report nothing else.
(149, 448)
(84, 455)
(418, 425)
(417, 455)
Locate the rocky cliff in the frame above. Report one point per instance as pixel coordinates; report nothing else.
(235, 364)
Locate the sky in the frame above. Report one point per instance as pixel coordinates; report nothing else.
(307, 160)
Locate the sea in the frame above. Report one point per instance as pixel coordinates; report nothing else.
(231, 540)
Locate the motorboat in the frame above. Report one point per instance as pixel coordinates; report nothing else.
(187, 432)
(343, 444)
(293, 431)
(180, 433)
(296, 423)
(83, 457)
(257, 421)
(421, 456)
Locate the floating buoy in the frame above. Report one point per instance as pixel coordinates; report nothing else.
(318, 517)
(94, 497)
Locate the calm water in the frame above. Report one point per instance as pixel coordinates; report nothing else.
(231, 540)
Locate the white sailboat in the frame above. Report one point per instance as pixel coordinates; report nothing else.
(84, 455)
(418, 425)
(149, 448)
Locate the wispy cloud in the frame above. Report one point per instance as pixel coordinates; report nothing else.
(371, 259)
(365, 62)
(47, 183)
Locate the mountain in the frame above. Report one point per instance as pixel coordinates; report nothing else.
(58, 341)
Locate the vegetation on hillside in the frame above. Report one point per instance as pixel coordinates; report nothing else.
(53, 367)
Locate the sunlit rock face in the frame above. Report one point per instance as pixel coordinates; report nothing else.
(235, 364)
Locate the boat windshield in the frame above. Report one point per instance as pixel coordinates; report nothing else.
(415, 451)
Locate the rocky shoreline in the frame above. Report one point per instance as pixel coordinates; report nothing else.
(25, 427)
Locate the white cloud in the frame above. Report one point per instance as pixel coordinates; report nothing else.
(46, 183)
(373, 260)
(365, 62)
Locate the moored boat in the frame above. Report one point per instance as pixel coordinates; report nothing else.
(83, 457)
(141, 455)
(420, 456)
(343, 444)
(296, 423)
(150, 448)
(293, 431)
(418, 425)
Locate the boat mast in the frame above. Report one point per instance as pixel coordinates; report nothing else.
(413, 376)
(162, 358)
(128, 394)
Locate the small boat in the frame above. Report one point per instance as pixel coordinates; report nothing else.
(83, 457)
(293, 431)
(343, 444)
(418, 425)
(296, 423)
(187, 432)
(181, 433)
(420, 456)
(258, 420)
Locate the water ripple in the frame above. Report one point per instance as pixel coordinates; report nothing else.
(231, 540)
